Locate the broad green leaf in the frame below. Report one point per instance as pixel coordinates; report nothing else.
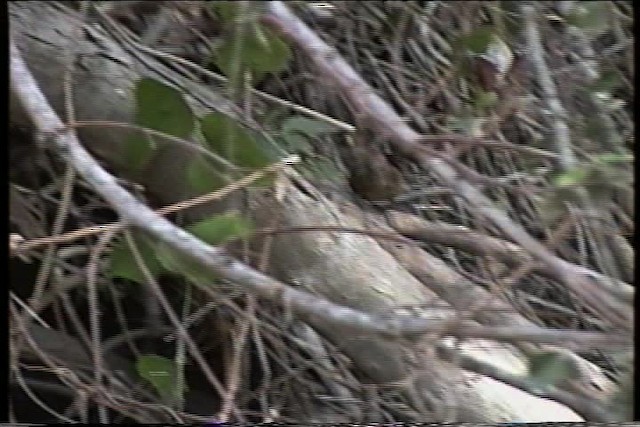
(123, 262)
(294, 142)
(296, 133)
(162, 108)
(163, 375)
(215, 230)
(158, 107)
(572, 177)
(203, 177)
(183, 265)
(220, 228)
(477, 40)
(549, 368)
(226, 10)
(259, 49)
(229, 11)
(307, 126)
(231, 141)
(138, 151)
(320, 168)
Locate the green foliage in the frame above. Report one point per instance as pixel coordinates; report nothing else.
(592, 17)
(220, 229)
(203, 177)
(261, 51)
(297, 132)
(550, 368)
(572, 177)
(307, 126)
(322, 168)
(163, 108)
(227, 10)
(162, 373)
(160, 258)
(182, 265)
(214, 231)
(123, 264)
(477, 41)
(247, 45)
(227, 138)
(158, 107)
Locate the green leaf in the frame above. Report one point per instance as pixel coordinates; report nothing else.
(183, 265)
(203, 177)
(259, 49)
(294, 142)
(321, 168)
(220, 228)
(231, 141)
(296, 133)
(572, 177)
(478, 40)
(215, 230)
(162, 108)
(123, 262)
(229, 11)
(226, 10)
(162, 373)
(158, 107)
(549, 368)
(138, 151)
(307, 126)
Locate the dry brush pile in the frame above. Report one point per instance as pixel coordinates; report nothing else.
(386, 211)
